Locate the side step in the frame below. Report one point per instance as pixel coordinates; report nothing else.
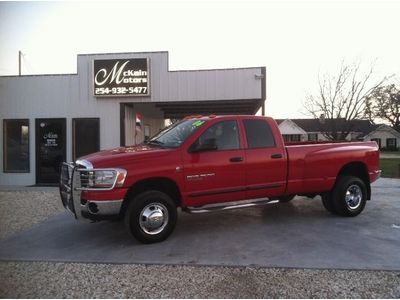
(226, 206)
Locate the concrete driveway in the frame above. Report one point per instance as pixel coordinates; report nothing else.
(299, 234)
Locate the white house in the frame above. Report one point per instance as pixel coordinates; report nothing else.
(298, 130)
(292, 132)
(385, 136)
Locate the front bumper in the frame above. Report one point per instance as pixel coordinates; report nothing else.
(71, 197)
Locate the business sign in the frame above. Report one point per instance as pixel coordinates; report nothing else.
(121, 77)
(50, 139)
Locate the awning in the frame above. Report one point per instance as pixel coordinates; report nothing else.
(178, 110)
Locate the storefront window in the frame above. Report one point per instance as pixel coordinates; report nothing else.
(16, 146)
(86, 136)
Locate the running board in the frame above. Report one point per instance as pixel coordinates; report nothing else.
(226, 206)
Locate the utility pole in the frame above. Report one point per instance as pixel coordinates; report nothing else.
(19, 62)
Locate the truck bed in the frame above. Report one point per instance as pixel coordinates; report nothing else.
(306, 160)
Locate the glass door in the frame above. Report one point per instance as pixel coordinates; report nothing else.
(50, 149)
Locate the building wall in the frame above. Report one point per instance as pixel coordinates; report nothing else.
(167, 86)
(31, 97)
(71, 96)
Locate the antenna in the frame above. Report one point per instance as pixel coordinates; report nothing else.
(19, 62)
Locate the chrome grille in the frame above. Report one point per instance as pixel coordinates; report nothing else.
(65, 176)
(66, 185)
(86, 178)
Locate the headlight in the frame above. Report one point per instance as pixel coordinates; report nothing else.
(105, 179)
(101, 179)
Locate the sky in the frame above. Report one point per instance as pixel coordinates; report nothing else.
(296, 41)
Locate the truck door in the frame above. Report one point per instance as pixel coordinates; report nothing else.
(265, 161)
(214, 166)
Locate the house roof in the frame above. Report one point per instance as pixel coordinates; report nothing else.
(315, 125)
(383, 127)
(289, 127)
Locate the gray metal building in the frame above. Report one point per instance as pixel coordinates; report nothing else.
(113, 100)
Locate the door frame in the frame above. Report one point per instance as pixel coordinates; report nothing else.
(37, 146)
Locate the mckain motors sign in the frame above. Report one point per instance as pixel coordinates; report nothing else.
(121, 77)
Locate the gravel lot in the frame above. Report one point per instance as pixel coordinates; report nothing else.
(59, 280)
(70, 280)
(21, 209)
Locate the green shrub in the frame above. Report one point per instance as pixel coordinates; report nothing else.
(389, 149)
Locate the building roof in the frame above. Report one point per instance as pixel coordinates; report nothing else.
(315, 125)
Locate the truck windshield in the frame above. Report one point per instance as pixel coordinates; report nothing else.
(176, 134)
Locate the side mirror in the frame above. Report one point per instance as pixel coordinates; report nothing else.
(207, 145)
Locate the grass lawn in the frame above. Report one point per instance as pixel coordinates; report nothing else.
(389, 167)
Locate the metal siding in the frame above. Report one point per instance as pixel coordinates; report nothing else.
(130, 128)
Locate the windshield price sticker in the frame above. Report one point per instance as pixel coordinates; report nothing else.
(121, 77)
(198, 123)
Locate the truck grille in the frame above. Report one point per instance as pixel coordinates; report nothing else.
(86, 178)
(66, 186)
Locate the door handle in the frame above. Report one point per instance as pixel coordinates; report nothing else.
(236, 159)
(276, 156)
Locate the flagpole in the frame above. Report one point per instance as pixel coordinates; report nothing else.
(138, 124)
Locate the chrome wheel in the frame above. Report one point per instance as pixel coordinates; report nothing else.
(353, 196)
(153, 218)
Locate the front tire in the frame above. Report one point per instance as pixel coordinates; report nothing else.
(349, 196)
(151, 217)
(327, 202)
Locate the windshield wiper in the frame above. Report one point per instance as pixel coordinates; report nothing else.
(155, 142)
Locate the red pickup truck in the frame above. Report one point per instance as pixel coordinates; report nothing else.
(203, 164)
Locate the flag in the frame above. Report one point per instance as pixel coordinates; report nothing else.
(138, 123)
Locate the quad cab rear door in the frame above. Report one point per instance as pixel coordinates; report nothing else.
(266, 159)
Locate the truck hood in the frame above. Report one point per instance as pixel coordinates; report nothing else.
(122, 155)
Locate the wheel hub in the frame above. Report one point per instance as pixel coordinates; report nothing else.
(153, 218)
(353, 196)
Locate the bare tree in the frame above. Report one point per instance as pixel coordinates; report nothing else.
(341, 99)
(384, 104)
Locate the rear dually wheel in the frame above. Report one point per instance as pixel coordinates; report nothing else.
(349, 196)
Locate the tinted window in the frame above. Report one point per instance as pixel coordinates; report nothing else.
(16, 145)
(259, 134)
(225, 134)
(86, 136)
